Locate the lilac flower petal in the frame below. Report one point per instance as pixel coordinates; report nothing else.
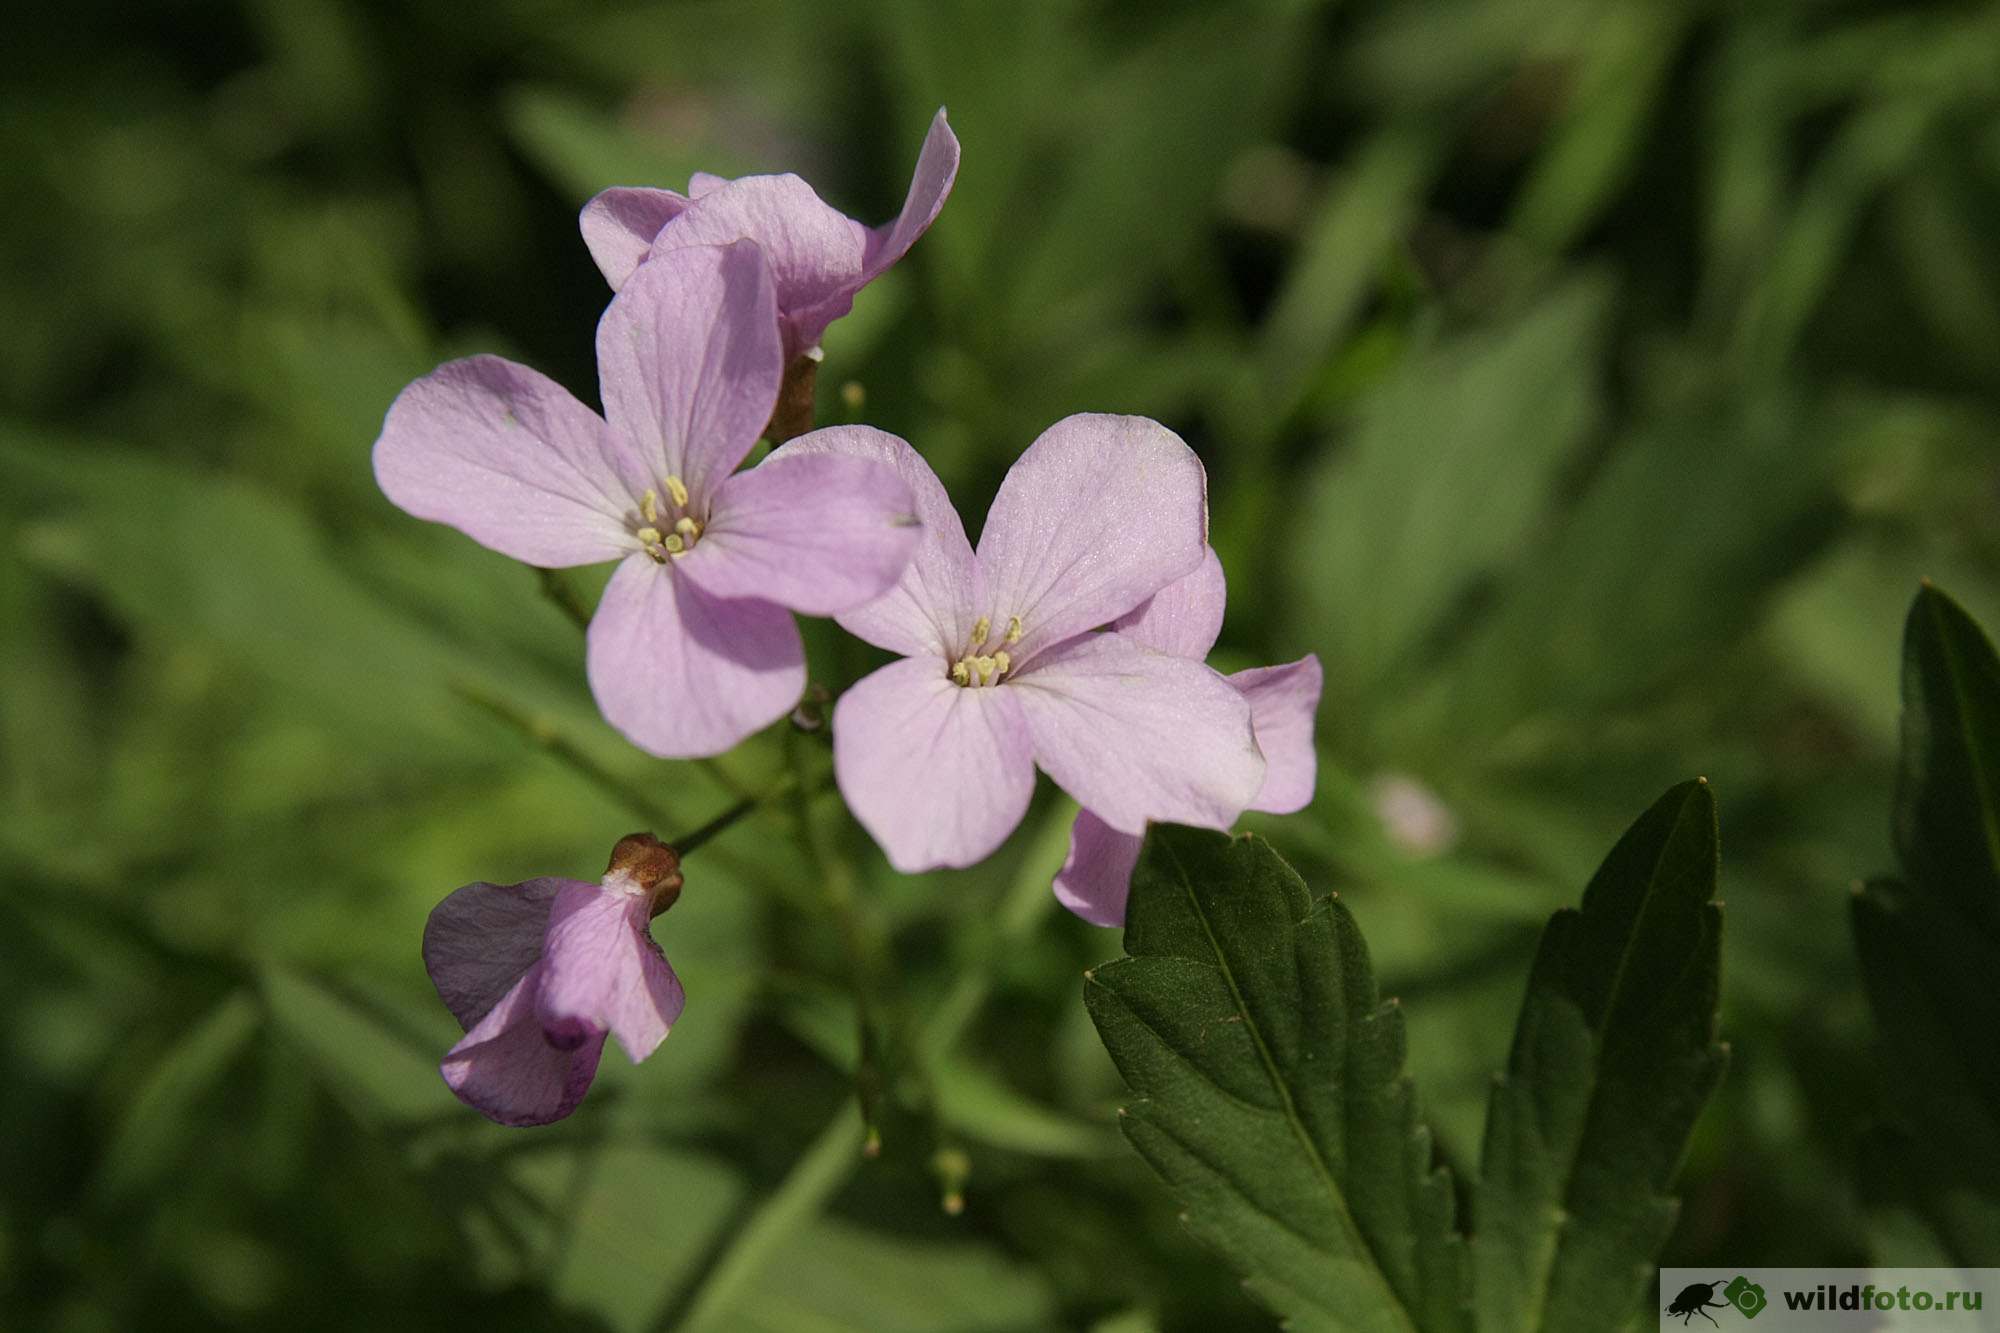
(1136, 735)
(481, 938)
(930, 610)
(815, 252)
(705, 182)
(619, 225)
(812, 531)
(682, 674)
(939, 775)
(937, 168)
(1097, 878)
(505, 455)
(1099, 514)
(689, 360)
(506, 1069)
(1185, 617)
(602, 971)
(1282, 702)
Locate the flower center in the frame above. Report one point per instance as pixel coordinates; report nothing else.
(667, 531)
(978, 668)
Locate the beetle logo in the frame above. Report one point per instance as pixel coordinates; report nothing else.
(1693, 1301)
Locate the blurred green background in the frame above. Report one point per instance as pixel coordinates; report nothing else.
(1588, 384)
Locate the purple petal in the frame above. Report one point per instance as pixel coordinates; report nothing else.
(930, 611)
(1097, 878)
(505, 455)
(937, 168)
(481, 939)
(1099, 514)
(506, 1069)
(705, 182)
(1282, 702)
(815, 253)
(1185, 617)
(689, 360)
(812, 531)
(619, 225)
(1136, 735)
(939, 775)
(682, 674)
(602, 971)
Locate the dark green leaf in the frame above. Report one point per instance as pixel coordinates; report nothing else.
(1271, 1097)
(1613, 1058)
(1948, 790)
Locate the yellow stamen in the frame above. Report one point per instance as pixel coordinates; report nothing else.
(980, 629)
(674, 544)
(1013, 629)
(648, 536)
(960, 674)
(1001, 662)
(649, 505)
(687, 528)
(678, 489)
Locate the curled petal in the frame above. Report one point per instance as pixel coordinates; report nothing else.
(1099, 514)
(683, 674)
(1097, 878)
(507, 1070)
(931, 608)
(619, 225)
(1185, 617)
(689, 362)
(603, 972)
(1282, 702)
(481, 939)
(812, 531)
(1136, 735)
(505, 455)
(939, 775)
(815, 252)
(937, 168)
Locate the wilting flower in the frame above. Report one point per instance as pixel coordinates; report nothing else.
(1183, 619)
(538, 972)
(692, 647)
(936, 754)
(820, 257)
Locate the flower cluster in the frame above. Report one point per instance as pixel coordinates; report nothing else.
(1071, 639)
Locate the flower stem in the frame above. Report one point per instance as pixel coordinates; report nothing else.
(557, 590)
(543, 733)
(744, 805)
(836, 879)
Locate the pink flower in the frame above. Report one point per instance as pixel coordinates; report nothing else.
(1183, 619)
(820, 257)
(692, 648)
(936, 754)
(538, 972)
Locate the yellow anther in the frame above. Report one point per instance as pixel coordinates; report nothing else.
(649, 505)
(674, 544)
(1013, 629)
(960, 674)
(648, 536)
(1001, 662)
(678, 489)
(980, 629)
(687, 528)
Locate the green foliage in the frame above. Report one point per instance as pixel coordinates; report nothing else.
(1586, 383)
(1271, 1096)
(1929, 943)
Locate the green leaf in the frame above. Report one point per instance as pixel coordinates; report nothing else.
(1948, 789)
(161, 1120)
(1270, 1093)
(1614, 1056)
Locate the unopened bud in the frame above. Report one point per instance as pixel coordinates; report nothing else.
(650, 864)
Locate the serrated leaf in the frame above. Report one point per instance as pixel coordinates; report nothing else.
(1948, 787)
(1613, 1058)
(1270, 1091)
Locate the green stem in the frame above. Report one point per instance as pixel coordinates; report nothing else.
(541, 732)
(814, 1178)
(721, 822)
(836, 880)
(557, 590)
